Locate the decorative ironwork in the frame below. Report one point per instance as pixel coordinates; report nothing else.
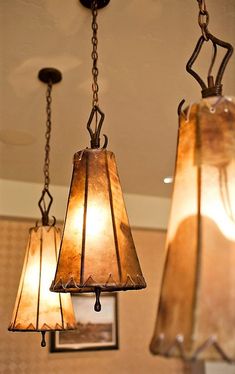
(95, 136)
(213, 86)
(43, 208)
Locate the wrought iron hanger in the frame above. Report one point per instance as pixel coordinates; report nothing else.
(213, 86)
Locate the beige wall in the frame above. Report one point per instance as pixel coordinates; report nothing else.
(21, 352)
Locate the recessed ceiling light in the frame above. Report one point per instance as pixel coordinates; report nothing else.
(168, 180)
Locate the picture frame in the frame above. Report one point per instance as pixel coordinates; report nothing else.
(96, 330)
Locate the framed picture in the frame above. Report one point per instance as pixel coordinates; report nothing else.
(95, 330)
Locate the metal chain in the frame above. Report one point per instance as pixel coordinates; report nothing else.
(202, 6)
(94, 54)
(47, 136)
(203, 18)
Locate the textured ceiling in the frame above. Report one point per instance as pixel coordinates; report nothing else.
(143, 49)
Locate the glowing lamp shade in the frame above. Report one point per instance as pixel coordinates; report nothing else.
(36, 308)
(196, 313)
(97, 250)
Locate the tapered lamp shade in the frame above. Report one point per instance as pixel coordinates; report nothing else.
(36, 308)
(196, 313)
(97, 249)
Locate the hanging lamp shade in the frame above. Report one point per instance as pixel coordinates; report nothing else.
(196, 315)
(97, 251)
(36, 308)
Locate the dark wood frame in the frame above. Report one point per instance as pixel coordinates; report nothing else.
(55, 349)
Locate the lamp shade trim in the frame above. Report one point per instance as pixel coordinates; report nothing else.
(90, 284)
(39, 283)
(113, 219)
(84, 221)
(44, 327)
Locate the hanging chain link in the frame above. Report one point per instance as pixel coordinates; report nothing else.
(203, 18)
(47, 136)
(94, 54)
(202, 6)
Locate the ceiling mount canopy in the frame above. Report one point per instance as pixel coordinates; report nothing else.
(100, 3)
(47, 75)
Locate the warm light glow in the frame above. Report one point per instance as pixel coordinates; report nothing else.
(31, 278)
(95, 219)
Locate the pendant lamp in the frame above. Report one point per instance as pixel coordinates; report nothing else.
(97, 251)
(36, 308)
(196, 318)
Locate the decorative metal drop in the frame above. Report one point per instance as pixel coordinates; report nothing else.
(43, 341)
(97, 306)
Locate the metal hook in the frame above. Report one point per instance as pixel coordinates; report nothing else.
(54, 221)
(95, 135)
(180, 106)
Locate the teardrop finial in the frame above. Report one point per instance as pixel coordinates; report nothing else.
(97, 306)
(43, 341)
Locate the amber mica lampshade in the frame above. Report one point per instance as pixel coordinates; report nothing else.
(97, 250)
(196, 313)
(36, 308)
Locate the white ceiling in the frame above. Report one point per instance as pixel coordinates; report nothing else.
(143, 48)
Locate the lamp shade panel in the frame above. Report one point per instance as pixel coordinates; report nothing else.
(36, 308)
(195, 316)
(97, 248)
